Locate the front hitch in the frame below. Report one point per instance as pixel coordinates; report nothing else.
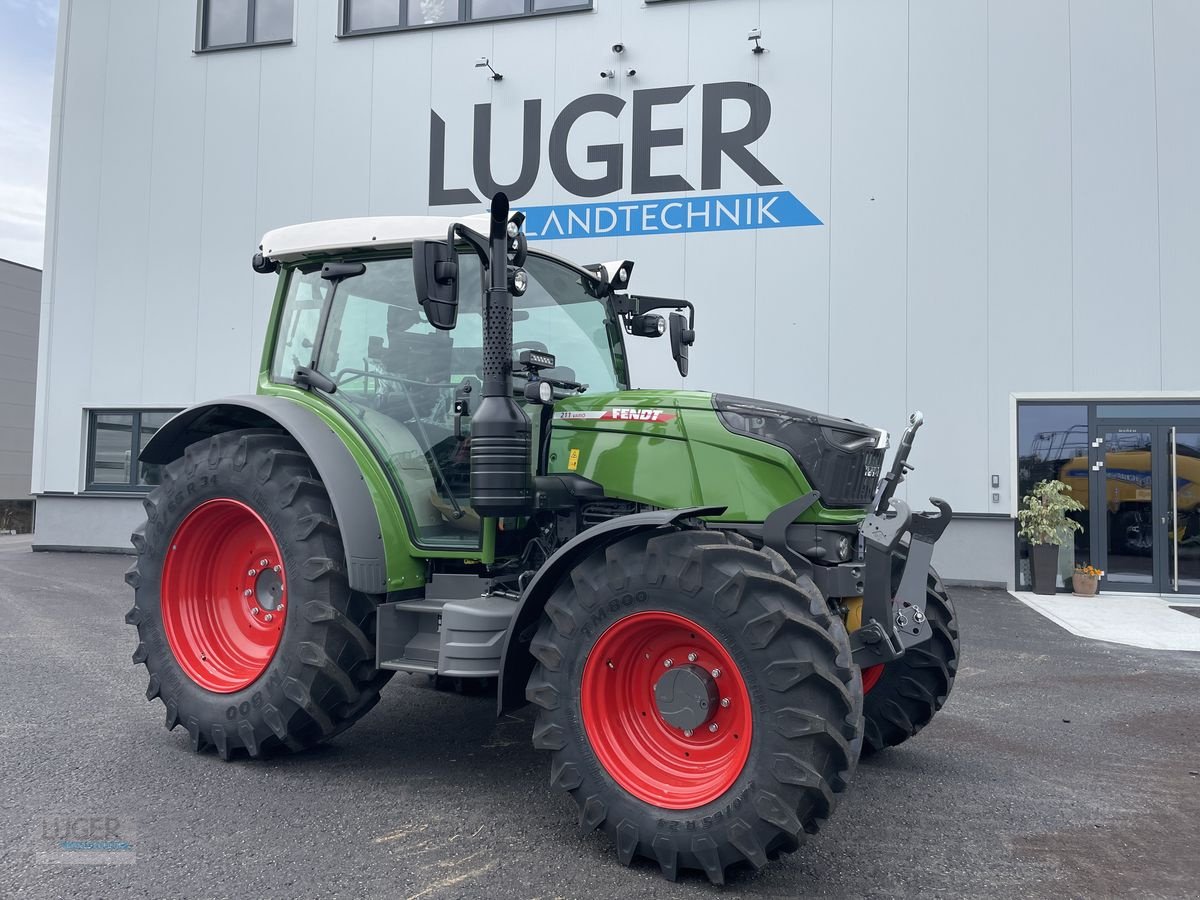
(892, 624)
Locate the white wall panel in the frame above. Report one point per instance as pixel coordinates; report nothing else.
(124, 205)
(176, 177)
(403, 76)
(791, 347)
(947, 240)
(1177, 77)
(1115, 197)
(228, 225)
(73, 255)
(1029, 215)
(868, 213)
(341, 126)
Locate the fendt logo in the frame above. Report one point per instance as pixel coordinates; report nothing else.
(683, 210)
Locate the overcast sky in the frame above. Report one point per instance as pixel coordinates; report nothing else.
(28, 30)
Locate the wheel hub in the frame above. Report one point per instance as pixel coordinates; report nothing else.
(686, 697)
(268, 588)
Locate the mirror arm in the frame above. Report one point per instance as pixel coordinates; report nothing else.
(478, 244)
(630, 305)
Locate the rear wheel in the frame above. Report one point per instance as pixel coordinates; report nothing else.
(903, 696)
(698, 700)
(246, 623)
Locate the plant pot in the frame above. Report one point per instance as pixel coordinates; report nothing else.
(1044, 558)
(1085, 585)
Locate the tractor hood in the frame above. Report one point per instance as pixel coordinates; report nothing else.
(673, 449)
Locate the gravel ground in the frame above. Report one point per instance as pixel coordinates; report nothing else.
(1060, 768)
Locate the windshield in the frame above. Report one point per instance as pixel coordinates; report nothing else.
(398, 378)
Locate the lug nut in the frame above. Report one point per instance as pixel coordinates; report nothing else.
(667, 663)
(268, 618)
(716, 673)
(687, 732)
(713, 727)
(263, 563)
(252, 572)
(920, 617)
(725, 702)
(691, 657)
(279, 607)
(255, 611)
(247, 593)
(277, 569)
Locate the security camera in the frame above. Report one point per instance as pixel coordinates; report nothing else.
(754, 35)
(618, 47)
(607, 73)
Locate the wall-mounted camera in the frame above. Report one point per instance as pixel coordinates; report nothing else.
(618, 47)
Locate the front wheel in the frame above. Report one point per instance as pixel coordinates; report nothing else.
(698, 700)
(246, 623)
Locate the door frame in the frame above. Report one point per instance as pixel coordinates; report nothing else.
(1144, 410)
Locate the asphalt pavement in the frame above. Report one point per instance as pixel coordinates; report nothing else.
(1060, 768)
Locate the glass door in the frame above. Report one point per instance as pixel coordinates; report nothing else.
(1124, 506)
(1183, 517)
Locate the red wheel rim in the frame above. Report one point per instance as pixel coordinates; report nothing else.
(651, 759)
(222, 595)
(871, 675)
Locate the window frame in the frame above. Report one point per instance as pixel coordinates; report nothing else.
(201, 35)
(131, 486)
(464, 17)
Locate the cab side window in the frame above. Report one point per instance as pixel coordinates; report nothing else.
(295, 343)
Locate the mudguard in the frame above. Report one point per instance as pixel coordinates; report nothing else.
(352, 504)
(516, 662)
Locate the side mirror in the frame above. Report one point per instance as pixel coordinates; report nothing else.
(682, 338)
(435, 276)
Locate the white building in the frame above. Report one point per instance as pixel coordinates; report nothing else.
(949, 205)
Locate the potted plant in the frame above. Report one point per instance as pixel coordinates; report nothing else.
(1085, 580)
(1044, 524)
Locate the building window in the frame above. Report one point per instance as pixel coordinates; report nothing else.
(1052, 443)
(222, 24)
(367, 16)
(115, 439)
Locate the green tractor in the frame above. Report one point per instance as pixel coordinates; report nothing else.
(715, 604)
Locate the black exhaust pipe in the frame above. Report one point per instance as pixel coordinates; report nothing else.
(501, 433)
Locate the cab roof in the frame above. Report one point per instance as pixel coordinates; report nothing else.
(295, 242)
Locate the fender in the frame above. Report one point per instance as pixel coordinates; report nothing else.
(516, 662)
(352, 503)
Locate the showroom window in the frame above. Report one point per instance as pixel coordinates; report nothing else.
(1052, 443)
(225, 24)
(115, 439)
(368, 16)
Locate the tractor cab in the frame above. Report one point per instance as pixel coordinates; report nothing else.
(353, 324)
